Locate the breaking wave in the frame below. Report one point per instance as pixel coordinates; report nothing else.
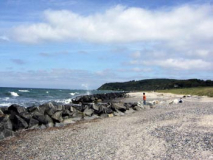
(14, 94)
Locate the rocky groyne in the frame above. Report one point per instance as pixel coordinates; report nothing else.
(15, 117)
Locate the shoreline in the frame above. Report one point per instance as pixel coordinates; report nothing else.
(176, 131)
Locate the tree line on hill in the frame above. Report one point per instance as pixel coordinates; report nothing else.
(155, 84)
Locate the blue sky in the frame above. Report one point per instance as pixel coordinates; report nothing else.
(84, 44)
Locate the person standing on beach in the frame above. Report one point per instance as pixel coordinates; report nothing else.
(144, 99)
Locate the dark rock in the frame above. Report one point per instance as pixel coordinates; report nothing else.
(1, 113)
(5, 110)
(45, 107)
(26, 116)
(77, 113)
(8, 133)
(19, 123)
(51, 111)
(66, 112)
(119, 106)
(40, 117)
(32, 109)
(33, 123)
(5, 123)
(16, 108)
(57, 116)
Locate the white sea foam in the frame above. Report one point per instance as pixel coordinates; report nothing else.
(64, 101)
(5, 104)
(72, 94)
(47, 91)
(14, 94)
(23, 91)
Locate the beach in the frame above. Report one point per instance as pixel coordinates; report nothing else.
(166, 131)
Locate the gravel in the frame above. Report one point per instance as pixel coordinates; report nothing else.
(181, 131)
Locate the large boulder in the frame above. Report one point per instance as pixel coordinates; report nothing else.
(19, 123)
(57, 116)
(1, 113)
(66, 112)
(26, 116)
(5, 127)
(33, 123)
(45, 107)
(50, 121)
(40, 117)
(16, 109)
(88, 112)
(118, 106)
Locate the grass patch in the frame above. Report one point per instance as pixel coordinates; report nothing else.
(200, 91)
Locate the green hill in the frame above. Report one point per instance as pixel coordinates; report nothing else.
(155, 84)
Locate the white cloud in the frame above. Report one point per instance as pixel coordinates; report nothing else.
(136, 55)
(182, 64)
(120, 24)
(4, 38)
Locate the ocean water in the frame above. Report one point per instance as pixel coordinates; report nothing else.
(30, 96)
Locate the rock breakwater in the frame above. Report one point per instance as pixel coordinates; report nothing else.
(15, 117)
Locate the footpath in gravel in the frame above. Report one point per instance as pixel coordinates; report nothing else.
(177, 131)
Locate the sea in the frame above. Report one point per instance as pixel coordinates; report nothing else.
(27, 97)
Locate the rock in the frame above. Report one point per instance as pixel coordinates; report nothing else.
(107, 110)
(77, 113)
(2, 135)
(95, 107)
(19, 123)
(33, 123)
(16, 108)
(76, 119)
(32, 109)
(40, 117)
(57, 116)
(59, 124)
(110, 115)
(68, 121)
(91, 118)
(26, 116)
(119, 106)
(7, 133)
(45, 107)
(137, 108)
(1, 113)
(88, 112)
(5, 110)
(175, 101)
(51, 111)
(5, 123)
(43, 126)
(66, 112)
(129, 111)
(118, 113)
(103, 115)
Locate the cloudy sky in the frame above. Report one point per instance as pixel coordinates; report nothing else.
(77, 44)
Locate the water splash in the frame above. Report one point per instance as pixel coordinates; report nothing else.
(86, 86)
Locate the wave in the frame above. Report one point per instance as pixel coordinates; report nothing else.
(5, 104)
(23, 91)
(73, 93)
(14, 94)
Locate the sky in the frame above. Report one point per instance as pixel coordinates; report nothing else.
(82, 44)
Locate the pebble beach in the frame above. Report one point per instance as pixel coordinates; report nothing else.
(167, 131)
